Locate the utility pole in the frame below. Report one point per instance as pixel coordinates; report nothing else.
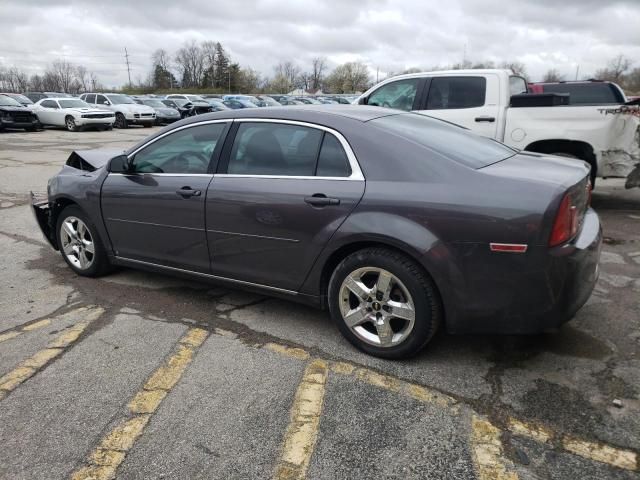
(377, 73)
(126, 57)
(577, 70)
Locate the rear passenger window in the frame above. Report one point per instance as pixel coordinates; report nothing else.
(456, 92)
(274, 149)
(91, 98)
(333, 161)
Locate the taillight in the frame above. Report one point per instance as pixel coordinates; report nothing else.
(565, 225)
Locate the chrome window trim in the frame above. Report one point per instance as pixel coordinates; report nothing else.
(207, 275)
(208, 175)
(356, 171)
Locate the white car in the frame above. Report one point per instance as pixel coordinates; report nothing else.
(496, 103)
(127, 111)
(72, 113)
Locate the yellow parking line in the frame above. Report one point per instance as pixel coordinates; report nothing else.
(110, 453)
(33, 364)
(302, 432)
(616, 457)
(487, 452)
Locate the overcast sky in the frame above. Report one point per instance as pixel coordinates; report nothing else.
(387, 35)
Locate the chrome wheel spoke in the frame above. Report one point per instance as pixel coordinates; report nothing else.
(357, 316)
(67, 248)
(401, 310)
(82, 258)
(88, 246)
(69, 230)
(76, 243)
(385, 333)
(383, 285)
(356, 286)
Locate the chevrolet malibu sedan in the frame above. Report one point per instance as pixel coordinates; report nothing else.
(395, 222)
(73, 114)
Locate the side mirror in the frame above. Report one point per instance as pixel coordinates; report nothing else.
(106, 102)
(120, 164)
(362, 101)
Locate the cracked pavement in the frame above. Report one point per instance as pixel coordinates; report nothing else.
(229, 412)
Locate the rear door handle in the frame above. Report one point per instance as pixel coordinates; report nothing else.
(188, 192)
(321, 200)
(486, 119)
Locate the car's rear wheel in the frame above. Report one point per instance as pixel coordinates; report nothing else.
(121, 122)
(70, 123)
(79, 243)
(384, 303)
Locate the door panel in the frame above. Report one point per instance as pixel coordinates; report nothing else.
(261, 230)
(148, 220)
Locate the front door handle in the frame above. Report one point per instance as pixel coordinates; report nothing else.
(321, 200)
(188, 192)
(485, 118)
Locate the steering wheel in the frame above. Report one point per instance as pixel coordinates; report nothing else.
(182, 160)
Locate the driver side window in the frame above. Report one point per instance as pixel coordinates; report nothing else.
(400, 94)
(185, 151)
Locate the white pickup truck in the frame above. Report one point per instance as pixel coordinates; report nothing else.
(606, 136)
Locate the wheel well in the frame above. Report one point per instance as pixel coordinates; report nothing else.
(58, 206)
(346, 250)
(581, 150)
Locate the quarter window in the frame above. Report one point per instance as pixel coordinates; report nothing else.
(274, 149)
(400, 94)
(185, 151)
(333, 161)
(49, 104)
(456, 92)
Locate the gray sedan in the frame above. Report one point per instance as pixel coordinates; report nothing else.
(395, 222)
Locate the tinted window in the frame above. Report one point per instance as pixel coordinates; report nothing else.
(90, 98)
(185, 151)
(49, 104)
(400, 94)
(101, 99)
(445, 138)
(456, 92)
(274, 149)
(333, 161)
(587, 93)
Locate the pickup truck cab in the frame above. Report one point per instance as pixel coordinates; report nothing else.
(605, 136)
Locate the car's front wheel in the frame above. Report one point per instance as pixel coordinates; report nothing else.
(121, 121)
(384, 303)
(79, 243)
(70, 123)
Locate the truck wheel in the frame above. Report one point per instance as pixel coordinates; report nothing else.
(384, 303)
(79, 243)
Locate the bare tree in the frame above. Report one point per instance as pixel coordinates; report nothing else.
(318, 66)
(349, 77)
(82, 78)
(64, 72)
(518, 68)
(615, 70)
(191, 61)
(552, 75)
(288, 72)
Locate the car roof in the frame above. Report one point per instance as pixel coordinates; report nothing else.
(310, 113)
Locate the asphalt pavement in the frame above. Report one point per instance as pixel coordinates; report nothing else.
(138, 375)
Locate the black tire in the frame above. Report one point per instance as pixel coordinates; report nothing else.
(426, 300)
(121, 121)
(31, 129)
(148, 125)
(70, 124)
(100, 262)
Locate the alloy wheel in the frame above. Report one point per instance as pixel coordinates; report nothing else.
(77, 243)
(377, 307)
(71, 124)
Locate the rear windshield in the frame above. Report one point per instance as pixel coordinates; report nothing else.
(452, 141)
(587, 93)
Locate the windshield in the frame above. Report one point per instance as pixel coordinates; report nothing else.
(120, 99)
(9, 102)
(196, 98)
(22, 99)
(452, 141)
(73, 104)
(154, 103)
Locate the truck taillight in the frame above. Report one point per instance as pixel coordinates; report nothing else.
(565, 225)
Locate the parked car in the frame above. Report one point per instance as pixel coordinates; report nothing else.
(587, 92)
(164, 113)
(73, 114)
(15, 116)
(239, 103)
(289, 102)
(186, 108)
(496, 103)
(35, 96)
(21, 99)
(267, 101)
(308, 100)
(217, 104)
(127, 111)
(193, 99)
(461, 231)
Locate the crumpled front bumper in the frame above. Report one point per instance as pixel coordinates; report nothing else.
(42, 213)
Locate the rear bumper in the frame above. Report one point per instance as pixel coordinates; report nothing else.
(509, 293)
(42, 213)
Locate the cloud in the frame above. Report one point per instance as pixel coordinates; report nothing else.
(388, 35)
